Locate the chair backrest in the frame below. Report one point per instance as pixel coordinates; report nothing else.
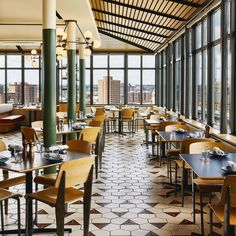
(185, 145)
(28, 134)
(77, 171)
(79, 146)
(90, 134)
(127, 112)
(163, 124)
(62, 107)
(230, 180)
(96, 123)
(99, 118)
(2, 146)
(170, 128)
(201, 146)
(37, 124)
(100, 111)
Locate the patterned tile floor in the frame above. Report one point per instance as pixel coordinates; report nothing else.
(129, 197)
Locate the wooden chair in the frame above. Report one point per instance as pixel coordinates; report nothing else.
(225, 210)
(100, 111)
(173, 153)
(96, 123)
(185, 145)
(7, 182)
(4, 196)
(92, 135)
(127, 115)
(99, 118)
(28, 135)
(205, 185)
(38, 125)
(65, 190)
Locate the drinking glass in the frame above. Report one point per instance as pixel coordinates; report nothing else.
(205, 154)
(18, 156)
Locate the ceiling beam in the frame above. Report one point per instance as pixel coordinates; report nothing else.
(145, 10)
(125, 41)
(187, 3)
(20, 49)
(129, 35)
(134, 20)
(132, 28)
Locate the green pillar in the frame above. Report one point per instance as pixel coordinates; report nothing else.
(49, 74)
(71, 72)
(82, 88)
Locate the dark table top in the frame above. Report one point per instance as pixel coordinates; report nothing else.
(209, 169)
(177, 137)
(38, 162)
(157, 121)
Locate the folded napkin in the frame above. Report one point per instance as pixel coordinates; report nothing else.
(218, 151)
(58, 147)
(12, 147)
(232, 165)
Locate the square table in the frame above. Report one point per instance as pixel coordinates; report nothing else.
(27, 167)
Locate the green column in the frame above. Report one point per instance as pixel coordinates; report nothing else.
(71, 72)
(49, 75)
(82, 87)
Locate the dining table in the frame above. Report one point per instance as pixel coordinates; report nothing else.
(214, 167)
(38, 161)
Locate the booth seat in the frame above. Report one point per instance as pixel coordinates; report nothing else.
(8, 121)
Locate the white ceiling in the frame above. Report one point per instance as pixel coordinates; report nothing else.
(15, 13)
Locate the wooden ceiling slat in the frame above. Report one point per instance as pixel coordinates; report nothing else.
(187, 3)
(146, 10)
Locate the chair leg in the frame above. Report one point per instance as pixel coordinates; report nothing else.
(96, 165)
(36, 207)
(182, 186)
(211, 225)
(2, 216)
(176, 166)
(18, 214)
(201, 207)
(27, 217)
(194, 203)
(60, 214)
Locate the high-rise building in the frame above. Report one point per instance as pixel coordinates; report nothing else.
(31, 93)
(114, 90)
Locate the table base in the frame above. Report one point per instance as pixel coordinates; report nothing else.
(34, 231)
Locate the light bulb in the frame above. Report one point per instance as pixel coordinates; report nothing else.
(64, 53)
(34, 63)
(88, 34)
(97, 43)
(87, 52)
(28, 58)
(59, 57)
(59, 31)
(59, 50)
(33, 52)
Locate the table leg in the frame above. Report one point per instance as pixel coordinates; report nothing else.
(29, 189)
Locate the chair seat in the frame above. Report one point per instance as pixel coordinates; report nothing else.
(219, 212)
(47, 179)
(12, 182)
(173, 152)
(180, 164)
(49, 195)
(209, 185)
(5, 194)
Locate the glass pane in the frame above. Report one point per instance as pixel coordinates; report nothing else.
(13, 61)
(2, 61)
(63, 85)
(148, 86)
(87, 62)
(217, 83)
(205, 32)
(117, 61)
(198, 35)
(100, 89)
(2, 86)
(14, 91)
(199, 83)
(117, 87)
(134, 86)
(87, 84)
(149, 61)
(204, 81)
(177, 85)
(134, 61)
(100, 61)
(216, 25)
(228, 81)
(31, 86)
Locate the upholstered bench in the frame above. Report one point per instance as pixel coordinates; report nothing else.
(8, 121)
